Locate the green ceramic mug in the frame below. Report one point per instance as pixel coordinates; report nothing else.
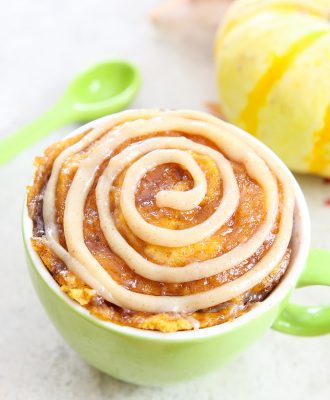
(154, 358)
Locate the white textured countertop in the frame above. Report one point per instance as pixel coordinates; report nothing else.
(42, 44)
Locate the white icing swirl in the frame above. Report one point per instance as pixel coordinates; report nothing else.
(142, 156)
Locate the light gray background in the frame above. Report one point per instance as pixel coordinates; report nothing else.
(42, 44)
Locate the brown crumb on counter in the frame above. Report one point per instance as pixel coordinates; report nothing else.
(214, 108)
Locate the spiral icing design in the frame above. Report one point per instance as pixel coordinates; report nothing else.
(125, 148)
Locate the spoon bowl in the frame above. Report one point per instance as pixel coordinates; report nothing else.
(103, 89)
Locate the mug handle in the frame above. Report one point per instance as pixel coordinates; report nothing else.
(308, 320)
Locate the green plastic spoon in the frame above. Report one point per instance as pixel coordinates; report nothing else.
(103, 89)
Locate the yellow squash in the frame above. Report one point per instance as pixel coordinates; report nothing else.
(273, 74)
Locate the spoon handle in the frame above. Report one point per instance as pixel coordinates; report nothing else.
(13, 144)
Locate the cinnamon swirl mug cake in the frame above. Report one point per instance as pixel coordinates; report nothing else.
(162, 243)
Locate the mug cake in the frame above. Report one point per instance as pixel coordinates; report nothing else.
(162, 220)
